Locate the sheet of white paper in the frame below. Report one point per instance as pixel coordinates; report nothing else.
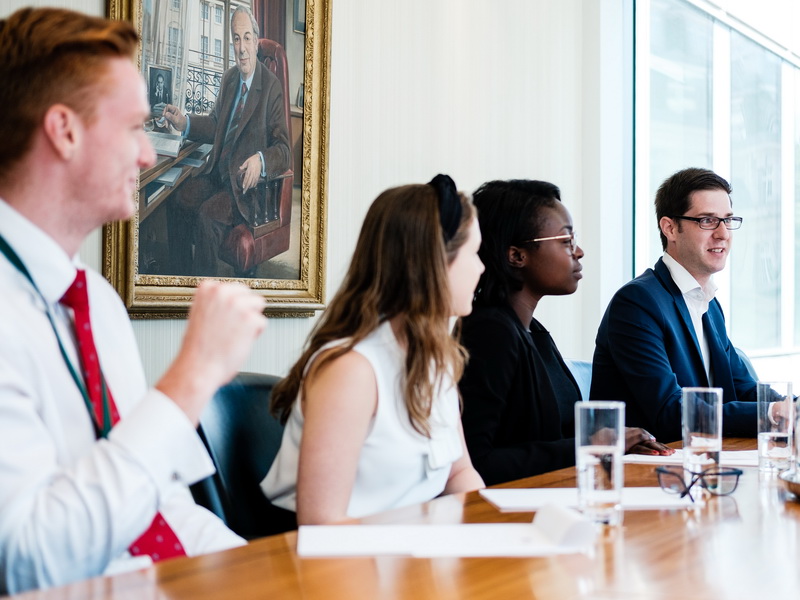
(529, 499)
(574, 533)
(728, 458)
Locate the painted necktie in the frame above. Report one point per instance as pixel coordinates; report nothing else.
(227, 145)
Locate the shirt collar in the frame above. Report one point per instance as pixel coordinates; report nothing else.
(248, 82)
(684, 280)
(50, 267)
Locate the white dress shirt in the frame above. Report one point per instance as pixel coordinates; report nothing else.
(697, 299)
(70, 505)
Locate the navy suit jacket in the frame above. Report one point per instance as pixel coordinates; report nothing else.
(646, 350)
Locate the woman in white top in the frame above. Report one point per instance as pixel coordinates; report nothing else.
(371, 408)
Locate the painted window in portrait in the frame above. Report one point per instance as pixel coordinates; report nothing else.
(237, 188)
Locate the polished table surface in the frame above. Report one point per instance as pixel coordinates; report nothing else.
(739, 546)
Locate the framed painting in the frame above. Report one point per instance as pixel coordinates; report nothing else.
(239, 123)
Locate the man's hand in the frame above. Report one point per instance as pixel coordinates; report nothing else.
(250, 172)
(225, 320)
(174, 116)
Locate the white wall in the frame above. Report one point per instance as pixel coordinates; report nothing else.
(477, 89)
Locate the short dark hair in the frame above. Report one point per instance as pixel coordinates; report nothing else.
(509, 214)
(50, 56)
(673, 196)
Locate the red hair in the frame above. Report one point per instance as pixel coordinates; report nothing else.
(52, 56)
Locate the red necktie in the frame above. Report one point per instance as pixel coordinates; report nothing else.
(159, 541)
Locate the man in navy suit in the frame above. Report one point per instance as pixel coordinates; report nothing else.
(665, 330)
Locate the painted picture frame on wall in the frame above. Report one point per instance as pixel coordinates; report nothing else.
(238, 188)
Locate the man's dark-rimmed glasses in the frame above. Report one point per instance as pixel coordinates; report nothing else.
(718, 481)
(731, 223)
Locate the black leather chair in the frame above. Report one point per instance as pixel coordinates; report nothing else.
(242, 438)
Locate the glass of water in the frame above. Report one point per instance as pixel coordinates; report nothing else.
(701, 417)
(775, 425)
(599, 445)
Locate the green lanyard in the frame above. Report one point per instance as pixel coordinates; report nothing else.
(100, 431)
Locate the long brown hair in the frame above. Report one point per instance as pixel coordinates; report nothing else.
(399, 269)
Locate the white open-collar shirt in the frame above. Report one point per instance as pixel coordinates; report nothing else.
(697, 299)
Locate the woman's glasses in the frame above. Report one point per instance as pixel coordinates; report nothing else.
(569, 240)
(717, 480)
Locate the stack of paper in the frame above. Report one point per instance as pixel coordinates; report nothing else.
(170, 176)
(530, 499)
(727, 458)
(166, 144)
(198, 157)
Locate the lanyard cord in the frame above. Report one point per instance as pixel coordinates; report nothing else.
(99, 431)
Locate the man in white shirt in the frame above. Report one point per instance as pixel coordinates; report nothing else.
(665, 330)
(77, 494)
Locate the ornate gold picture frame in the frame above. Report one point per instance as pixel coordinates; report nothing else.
(282, 257)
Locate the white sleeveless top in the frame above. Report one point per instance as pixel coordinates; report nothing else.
(397, 466)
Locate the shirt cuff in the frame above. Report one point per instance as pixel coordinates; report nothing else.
(162, 439)
(263, 164)
(185, 132)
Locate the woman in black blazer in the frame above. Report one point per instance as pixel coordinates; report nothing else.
(517, 391)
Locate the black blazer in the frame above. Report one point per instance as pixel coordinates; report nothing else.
(512, 419)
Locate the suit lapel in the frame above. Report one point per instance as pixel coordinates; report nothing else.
(227, 95)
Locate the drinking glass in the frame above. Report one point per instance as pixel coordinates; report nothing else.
(775, 425)
(701, 418)
(599, 445)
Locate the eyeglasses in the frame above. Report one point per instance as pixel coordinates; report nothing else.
(573, 242)
(718, 481)
(713, 222)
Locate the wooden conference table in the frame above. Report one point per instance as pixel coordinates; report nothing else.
(741, 546)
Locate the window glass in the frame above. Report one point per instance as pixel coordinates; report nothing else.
(756, 181)
(680, 94)
(797, 207)
(714, 93)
